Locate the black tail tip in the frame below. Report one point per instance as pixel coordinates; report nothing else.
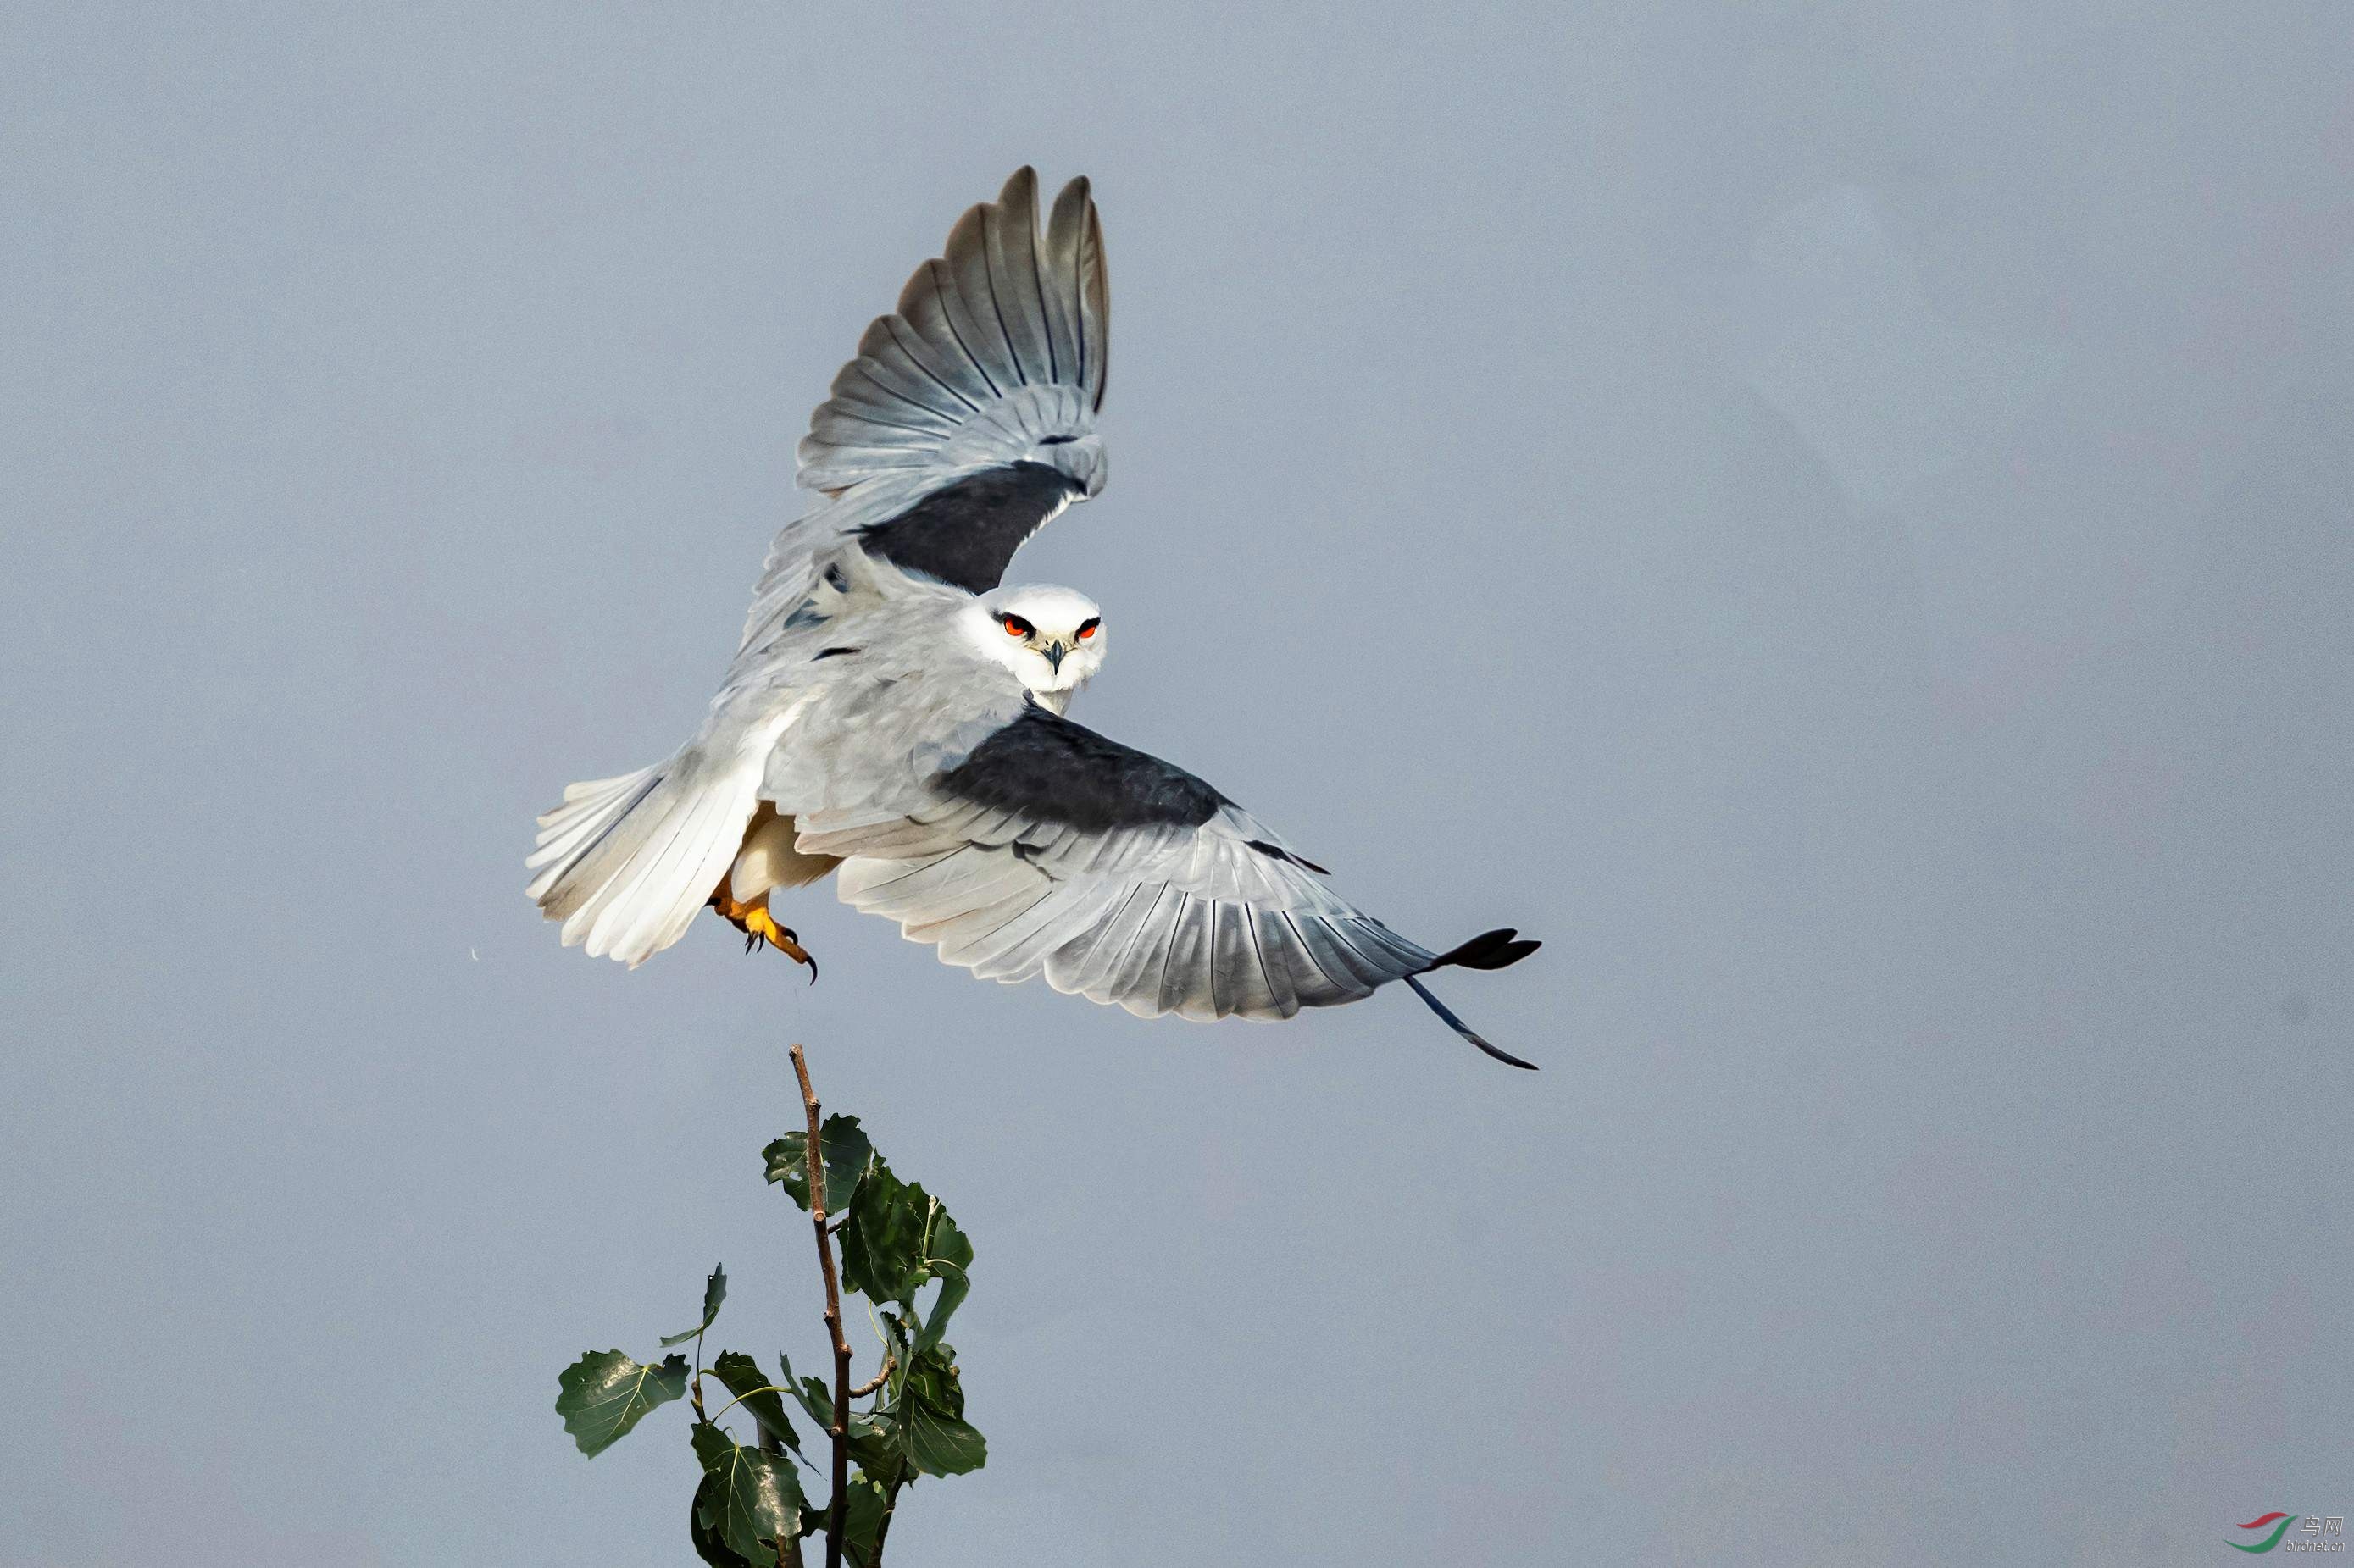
(1496, 949)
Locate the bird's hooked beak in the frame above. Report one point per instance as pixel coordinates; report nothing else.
(1053, 652)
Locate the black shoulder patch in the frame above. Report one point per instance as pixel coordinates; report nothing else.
(966, 534)
(1049, 769)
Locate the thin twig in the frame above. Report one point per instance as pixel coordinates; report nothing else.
(771, 1388)
(836, 1511)
(863, 1388)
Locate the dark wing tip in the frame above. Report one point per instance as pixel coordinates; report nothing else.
(1488, 950)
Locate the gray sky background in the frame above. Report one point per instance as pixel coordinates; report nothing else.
(1834, 515)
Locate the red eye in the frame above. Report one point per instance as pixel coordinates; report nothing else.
(1016, 627)
(1087, 628)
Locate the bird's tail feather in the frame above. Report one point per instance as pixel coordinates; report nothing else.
(1447, 1016)
(625, 862)
(1488, 950)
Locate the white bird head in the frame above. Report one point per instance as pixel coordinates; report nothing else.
(1051, 639)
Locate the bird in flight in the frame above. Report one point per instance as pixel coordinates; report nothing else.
(896, 716)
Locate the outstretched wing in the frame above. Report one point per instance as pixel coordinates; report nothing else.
(968, 418)
(1051, 850)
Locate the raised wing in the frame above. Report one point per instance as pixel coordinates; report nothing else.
(1051, 850)
(968, 418)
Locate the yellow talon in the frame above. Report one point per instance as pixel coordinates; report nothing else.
(761, 927)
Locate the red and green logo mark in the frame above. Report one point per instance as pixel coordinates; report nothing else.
(2279, 1522)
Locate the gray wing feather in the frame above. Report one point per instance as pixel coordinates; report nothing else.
(1193, 921)
(886, 369)
(921, 330)
(1022, 845)
(994, 358)
(962, 276)
(1031, 846)
(1081, 318)
(973, 346)
(1010, 232)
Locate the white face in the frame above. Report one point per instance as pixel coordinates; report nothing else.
(1051, 637)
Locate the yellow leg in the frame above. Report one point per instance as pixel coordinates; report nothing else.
(760, 928)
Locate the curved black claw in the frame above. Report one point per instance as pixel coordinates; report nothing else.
(802, 953)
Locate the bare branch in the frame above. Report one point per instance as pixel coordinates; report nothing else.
(890, 1365)
(836, 1512)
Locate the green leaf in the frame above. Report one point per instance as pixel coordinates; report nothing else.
(743, 1377)
(932, 1378)
(863, 1515)
(866, 1434)
(817, 1401)
(844, 1150)
(750, 1499)
(708, 1543)
(950, 1256)
(883, 1241)
(811, 1392)
(940, 1444)
(930, 1413)
(604, 1394)
(714, 1291)
(895, 1336)
(879, 1449)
